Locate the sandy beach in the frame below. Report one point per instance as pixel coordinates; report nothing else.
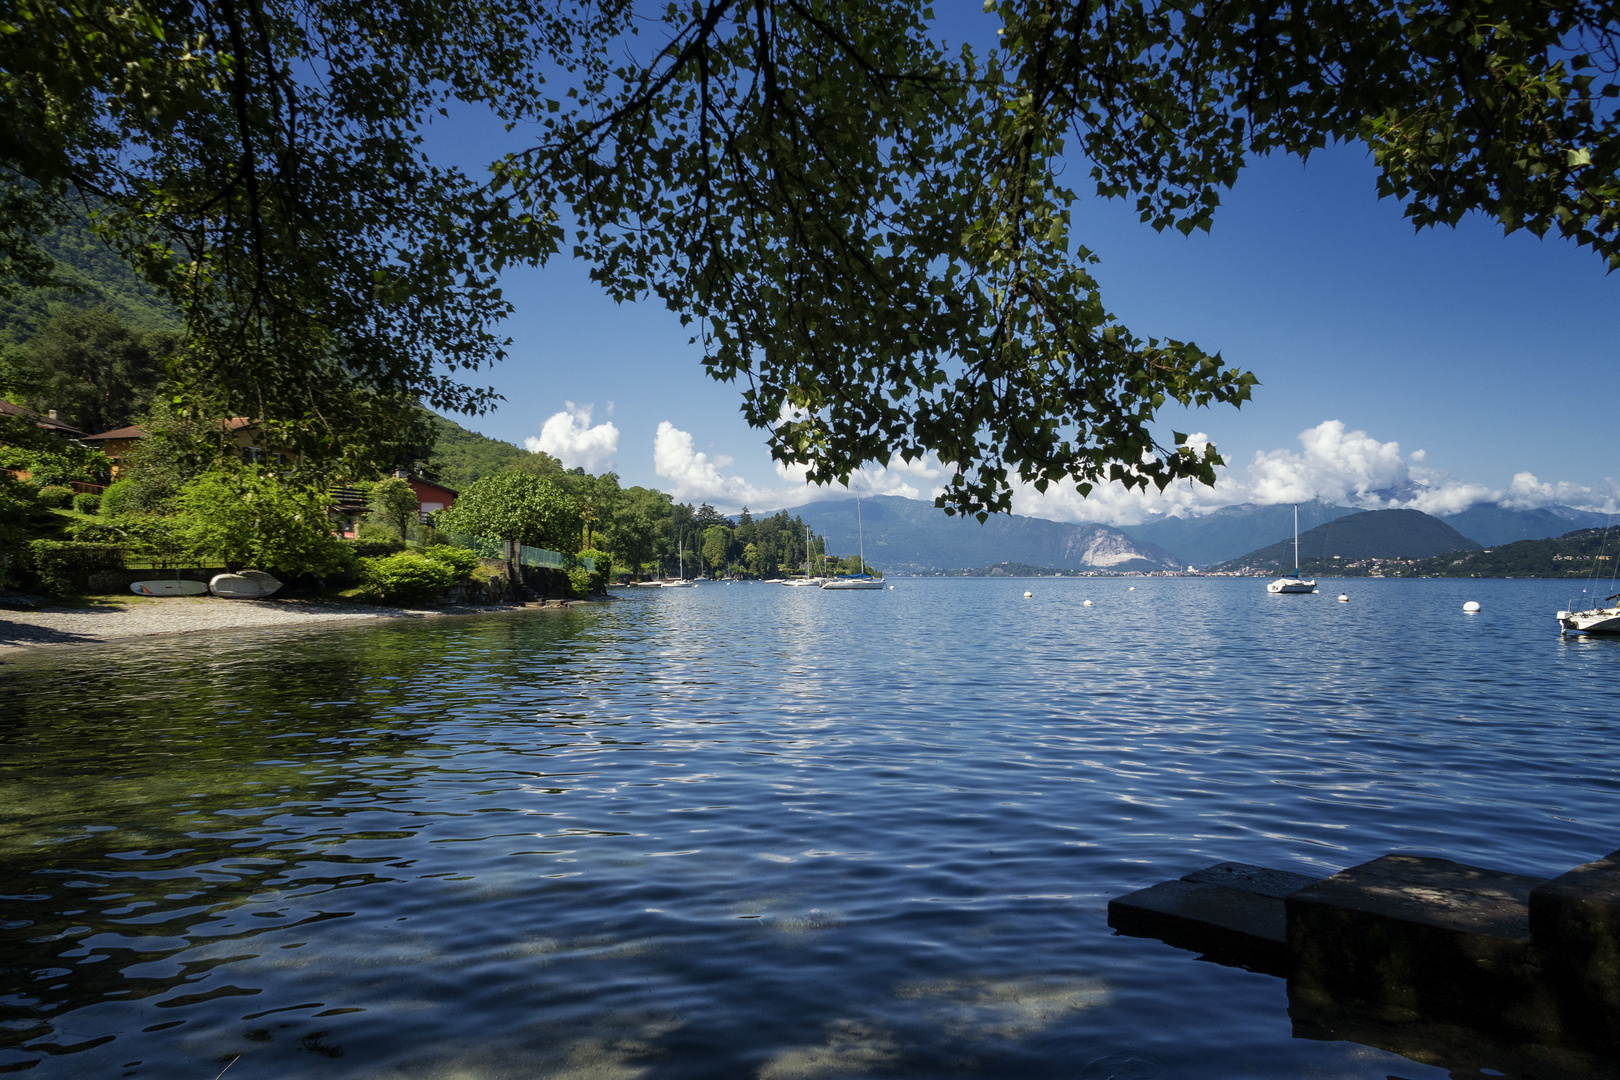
(122, 618)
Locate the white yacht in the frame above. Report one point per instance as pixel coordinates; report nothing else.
(862, 580)
(1602, 620)
(1293, 584)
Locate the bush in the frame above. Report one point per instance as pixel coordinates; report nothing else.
(604, 568)
(406, 576)
(579, 582)
(126, 497)
(377, 532)
(87, 503)
(55, 496)
(63, 567)
(376, 549)
(249, 517)
(460, 560)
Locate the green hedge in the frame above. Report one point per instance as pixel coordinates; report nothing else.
(63, 567)
(55, 496)
(376, 549)
(406, 576)
(460, 560)
(87, 503)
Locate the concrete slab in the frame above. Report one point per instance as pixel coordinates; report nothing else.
(1227, 925)
(1575, 925)
(1250, 878)
(1418, 937)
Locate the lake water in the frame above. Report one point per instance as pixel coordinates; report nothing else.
(757, 832)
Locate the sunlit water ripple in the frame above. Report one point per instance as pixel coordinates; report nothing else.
(752, 831)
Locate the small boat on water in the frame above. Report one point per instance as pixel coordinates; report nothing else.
(1294, 584)
(862, 580)
(1600, 620)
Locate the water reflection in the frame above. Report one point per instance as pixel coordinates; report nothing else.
(743, 831)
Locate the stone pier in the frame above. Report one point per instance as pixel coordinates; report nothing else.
(1406, 944)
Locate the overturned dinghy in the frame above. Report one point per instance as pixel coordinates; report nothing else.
(248, 585)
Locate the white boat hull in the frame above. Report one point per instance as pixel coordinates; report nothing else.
(248, 585)
(679, 585)
(1596, 621)
(168, 588)
(1291, 585)
(853, 583)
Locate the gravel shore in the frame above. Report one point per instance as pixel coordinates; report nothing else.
(119, 618)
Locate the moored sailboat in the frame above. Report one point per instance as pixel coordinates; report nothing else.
(1294, 584)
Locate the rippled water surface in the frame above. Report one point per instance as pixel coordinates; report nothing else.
(756, 832)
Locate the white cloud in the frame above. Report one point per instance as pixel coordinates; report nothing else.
(569, 437)
(1333, 463)
(1350, 468)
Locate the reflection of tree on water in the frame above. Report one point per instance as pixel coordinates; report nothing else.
(166, 806)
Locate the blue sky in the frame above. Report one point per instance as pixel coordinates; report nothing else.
(1494, 356)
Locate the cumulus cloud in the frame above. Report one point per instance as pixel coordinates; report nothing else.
(1335, 464)
(695, 476)
(570, 437)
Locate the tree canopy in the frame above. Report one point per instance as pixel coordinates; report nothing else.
(516, 506)
(867, 228)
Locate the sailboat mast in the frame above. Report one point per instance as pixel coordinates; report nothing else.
(1296, 539)
(860, 533)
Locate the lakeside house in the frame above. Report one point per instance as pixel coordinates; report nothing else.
(350, 506)
(248, 434)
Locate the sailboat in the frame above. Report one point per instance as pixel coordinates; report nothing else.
(1293, 584)
(680, 555)
(808, 579)
(862, 580)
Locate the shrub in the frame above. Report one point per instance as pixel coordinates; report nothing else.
(604, 567)
(376, 549)
(62, 567)
(579, 582)
(250, 518)
(377, 532)
(87, 503)
(460, 560)
(126, 497)
(55, 496)
(406, 576)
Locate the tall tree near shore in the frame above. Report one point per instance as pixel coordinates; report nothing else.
(870, 229)
(393, 502)
(518, 508)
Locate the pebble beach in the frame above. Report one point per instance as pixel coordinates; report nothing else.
(120, 618)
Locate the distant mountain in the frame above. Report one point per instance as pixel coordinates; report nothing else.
(1232, 530)
(1373, 534)
(909, 535)
(1493, 524)
(1584, 553)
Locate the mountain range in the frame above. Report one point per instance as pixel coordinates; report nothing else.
(1233, 531)
(908, 535)
(1371, 534)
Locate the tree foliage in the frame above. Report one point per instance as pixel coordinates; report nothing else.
(870, 230)
(516, 507)
(393, 503)
(249, 518)
(91, 366)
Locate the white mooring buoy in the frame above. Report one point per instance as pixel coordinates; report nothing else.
(1344, 598)
(1471, 607)
(1086, 604)
(1028, 594)
(1131, 589)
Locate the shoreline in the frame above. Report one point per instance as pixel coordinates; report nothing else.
(120, 619)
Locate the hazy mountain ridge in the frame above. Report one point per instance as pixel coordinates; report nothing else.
(1371, 534)
(911, 535)
(1237, 530)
